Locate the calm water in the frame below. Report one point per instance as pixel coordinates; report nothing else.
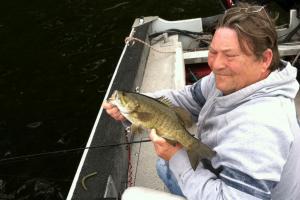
(56, 61)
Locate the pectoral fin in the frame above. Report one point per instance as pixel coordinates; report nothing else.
(134, 129)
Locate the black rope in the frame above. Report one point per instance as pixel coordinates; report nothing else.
(44, 154)
(176, 31)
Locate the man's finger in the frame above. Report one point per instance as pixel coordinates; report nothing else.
(113, 111)
(107, 105)
(153, 136)
(120, 117)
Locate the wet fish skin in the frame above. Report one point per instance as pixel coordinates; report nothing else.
(147, 112)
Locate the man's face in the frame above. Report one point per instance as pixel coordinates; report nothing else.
(233, 68)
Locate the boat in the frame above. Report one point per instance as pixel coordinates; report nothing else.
(158, 54)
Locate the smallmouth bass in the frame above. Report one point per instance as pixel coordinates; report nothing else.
(168, 121)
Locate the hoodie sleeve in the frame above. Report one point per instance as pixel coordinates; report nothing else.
(203, 184)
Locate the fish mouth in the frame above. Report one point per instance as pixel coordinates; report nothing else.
(113, 98)
(117, 100)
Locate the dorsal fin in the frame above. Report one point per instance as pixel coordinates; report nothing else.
(165, 101)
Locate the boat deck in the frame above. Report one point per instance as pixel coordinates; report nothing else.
(159, 74)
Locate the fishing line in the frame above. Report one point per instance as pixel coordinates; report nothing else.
(45, 154)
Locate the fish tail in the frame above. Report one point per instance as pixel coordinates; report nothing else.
(199, 151)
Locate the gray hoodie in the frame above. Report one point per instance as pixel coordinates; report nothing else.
(255, 133)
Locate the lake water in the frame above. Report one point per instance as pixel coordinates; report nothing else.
(56, 60)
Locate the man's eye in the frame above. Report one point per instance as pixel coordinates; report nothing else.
(231, 55)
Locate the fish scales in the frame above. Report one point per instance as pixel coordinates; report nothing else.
(166, 126)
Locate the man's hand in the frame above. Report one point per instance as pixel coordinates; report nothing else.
(162, 147)
(113, 111)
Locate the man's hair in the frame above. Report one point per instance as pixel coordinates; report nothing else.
(255, 31)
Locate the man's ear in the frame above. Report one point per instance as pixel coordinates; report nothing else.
(267, 59)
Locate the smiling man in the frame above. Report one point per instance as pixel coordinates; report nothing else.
(233, 68)
(245, 112)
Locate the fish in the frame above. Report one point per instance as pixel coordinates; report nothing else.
(169, 121)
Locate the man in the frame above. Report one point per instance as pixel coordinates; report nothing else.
(245, 112)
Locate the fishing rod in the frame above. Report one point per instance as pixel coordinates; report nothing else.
(45, 154)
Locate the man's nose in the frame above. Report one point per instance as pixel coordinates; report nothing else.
(218, 62)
